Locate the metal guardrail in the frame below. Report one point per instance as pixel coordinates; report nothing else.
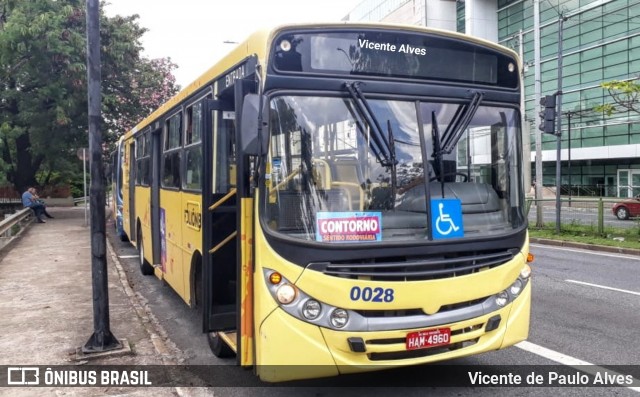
(79, 200)
(8, 223)
(594, 213)
(10, 200)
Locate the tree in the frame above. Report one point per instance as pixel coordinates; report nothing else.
(625, 95)
(43, 90)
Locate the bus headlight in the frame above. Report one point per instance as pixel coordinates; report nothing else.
(525, 273)
(302, 306)
(311, 309)
(285, 294)
(516, 287)
(502, 298)
(339, 318)
(507, 296)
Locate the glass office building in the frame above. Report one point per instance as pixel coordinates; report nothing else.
(601, 42)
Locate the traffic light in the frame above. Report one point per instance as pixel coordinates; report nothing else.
(548, 114)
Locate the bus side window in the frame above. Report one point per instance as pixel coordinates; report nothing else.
(172, 151)
(224, 154)
(191, 179)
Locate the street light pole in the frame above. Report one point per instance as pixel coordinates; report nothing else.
(559, 124)
(538, 136)
(569, 152)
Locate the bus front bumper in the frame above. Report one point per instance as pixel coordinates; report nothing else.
(291, 349)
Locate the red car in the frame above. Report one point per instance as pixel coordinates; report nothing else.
(628, 208)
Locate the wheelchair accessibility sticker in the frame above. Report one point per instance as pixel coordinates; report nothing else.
(446, 218)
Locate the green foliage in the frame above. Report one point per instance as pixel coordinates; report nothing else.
(624, 94)
(43, 88)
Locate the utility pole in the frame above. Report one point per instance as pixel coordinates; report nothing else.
(569, 152)
(559, 125)
(537, 89)
(102, 339)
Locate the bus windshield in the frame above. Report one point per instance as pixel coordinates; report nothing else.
(328, 182)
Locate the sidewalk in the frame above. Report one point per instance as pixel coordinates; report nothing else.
(46, 310)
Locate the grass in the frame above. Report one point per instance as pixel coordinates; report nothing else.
(588, 234)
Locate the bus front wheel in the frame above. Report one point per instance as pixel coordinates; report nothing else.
(218, 347)
(145, 267)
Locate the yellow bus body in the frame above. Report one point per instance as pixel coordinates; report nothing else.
(280, 346)
(288, 348)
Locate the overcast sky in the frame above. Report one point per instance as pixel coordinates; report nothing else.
(192, 32)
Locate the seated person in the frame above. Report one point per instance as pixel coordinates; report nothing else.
(31, 200)
(35, 194)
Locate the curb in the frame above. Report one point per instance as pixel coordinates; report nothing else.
(166, 349)
(158, 336)
(590, 247)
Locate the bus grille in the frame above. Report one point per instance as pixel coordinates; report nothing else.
(412, 269)
(418, 312)
(403, 354)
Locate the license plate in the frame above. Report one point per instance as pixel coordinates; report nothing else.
(428, 338)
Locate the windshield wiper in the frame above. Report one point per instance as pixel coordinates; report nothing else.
(381, 149)
(394, 162)
(437, 150)
(456, 128)
(459, 123)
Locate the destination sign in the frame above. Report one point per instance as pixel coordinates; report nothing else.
(406, 48)
(394, 54)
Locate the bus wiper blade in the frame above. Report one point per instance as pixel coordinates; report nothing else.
(392, 149)
(459, 123)
(437, 151)
(382, 149)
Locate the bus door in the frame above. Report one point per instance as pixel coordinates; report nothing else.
(132, 190)
(219, 226)
(156, 162)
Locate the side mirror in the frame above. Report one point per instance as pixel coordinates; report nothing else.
(250, 143)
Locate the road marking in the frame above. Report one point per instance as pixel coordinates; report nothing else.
(564, 359)
(585, 251)
(128, 256)
(604, 287)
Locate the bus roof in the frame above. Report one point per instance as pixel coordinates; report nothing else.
(259, 42)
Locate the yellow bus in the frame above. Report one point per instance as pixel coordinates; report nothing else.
(339, 198)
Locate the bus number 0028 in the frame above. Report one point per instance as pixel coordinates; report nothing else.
(371, 294)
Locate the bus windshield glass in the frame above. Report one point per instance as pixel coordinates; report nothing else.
(332, 177)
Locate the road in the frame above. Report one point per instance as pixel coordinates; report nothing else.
(585, 310)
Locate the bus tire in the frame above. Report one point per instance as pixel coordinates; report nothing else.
(145, 267)
(218, 347)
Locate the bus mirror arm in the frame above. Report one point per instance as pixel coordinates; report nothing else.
(252, 117)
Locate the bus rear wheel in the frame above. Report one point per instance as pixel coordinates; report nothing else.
(145, 267)
(218, 347)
